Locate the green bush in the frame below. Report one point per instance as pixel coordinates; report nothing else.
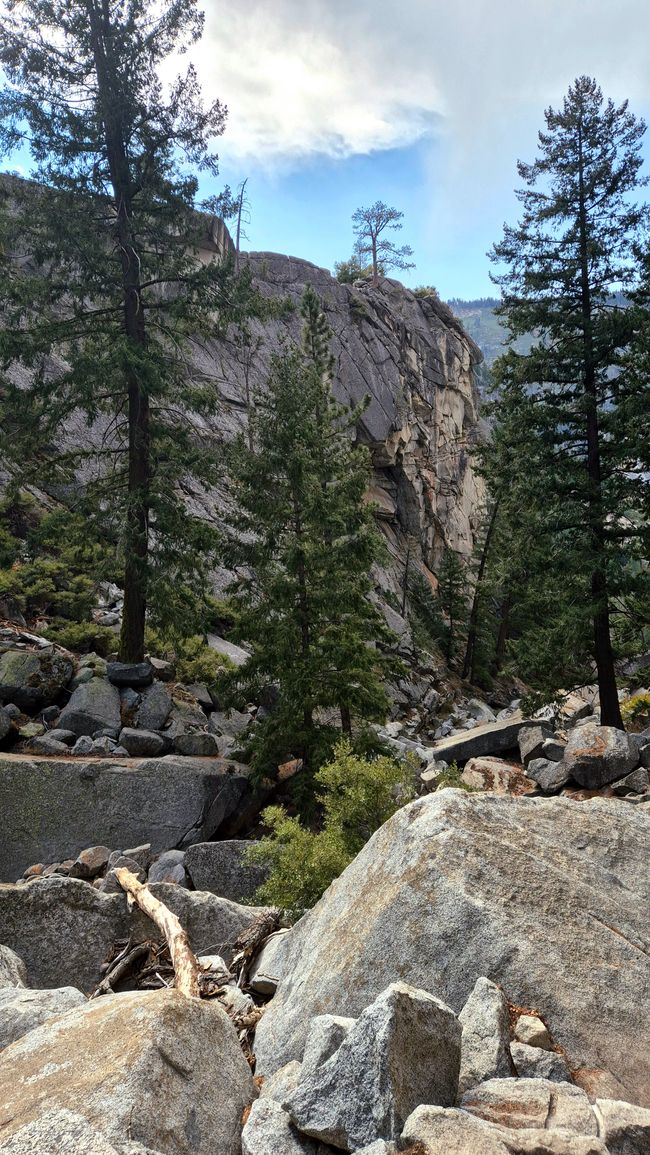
(192, 657)
(452, 776)
(357, 795)
(82, 637)
(635, 711)
(46, 585)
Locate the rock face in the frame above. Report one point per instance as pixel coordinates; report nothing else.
(367, 1089)
(103, 1059)
(32, 679)
(63, 928)
(52, 809)
(543, 896)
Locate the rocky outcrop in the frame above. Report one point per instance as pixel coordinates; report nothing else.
(543, 896)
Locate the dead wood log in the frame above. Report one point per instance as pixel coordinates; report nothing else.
(185, 965)
(120, 967)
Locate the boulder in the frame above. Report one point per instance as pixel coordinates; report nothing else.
(232, 723)
(542, 895)
(531, 741)
(370, 1085)
(485, 1021)
(624, 1129)
(154, 708)
(553, 749)
(445, 1131)
(52, 808)
(493, 738)
(269, 1131)
(199, 744)
(495, 775)
(94, 705)
(528, 1103)
(142, 743)
(281, 1083)
(220, 868)
(534, 1063)
(596, 755)
(13, 972)
(326, 1033)
(61, 1133)
(21, 1010)
(90, 863)
(549, 775)
(235, 653)
(32, 679)
(268, 965)
(154, 1067)
(45, 745)
(129, 673)
(638, 782)
(5, 723)
(64, 928)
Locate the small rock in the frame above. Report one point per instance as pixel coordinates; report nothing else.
(236, 1002)
(432, 774)
(93, 706)
(349, 1101)
(269, 1131)
(221, 868)
(12, 710)
(33, 679)
(140, 854)
(531, 1030)
(485, 1050)
(110, 884)
(50, 714)
(46, 745)
(169, 867)
(31, 730)
(90, 863)
(282, 1082)
(164, 671)
(444, 1131)
(83, 746)
(231, 724)
(154, 708)
(202, 695)
(553, 749)
(104, 746)
(496, 776)
(535, 1063)
(35, 870)
(129, 673)
(5, 723)
(65, 736)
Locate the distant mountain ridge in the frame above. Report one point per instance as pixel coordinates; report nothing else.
(484, 327)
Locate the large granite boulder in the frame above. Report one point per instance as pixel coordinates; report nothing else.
(21, 1010)
(546, 897)
(596, 755)
(485, 1048)
(492, 738)
(32, 679)
(63, 928)
(51, 809)
(13, 972)
(94, 705)
(154, 1067)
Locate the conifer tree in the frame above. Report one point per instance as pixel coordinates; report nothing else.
(566, 264)
(102, 277)
(453, 599)
(305, 542)
(372, 247)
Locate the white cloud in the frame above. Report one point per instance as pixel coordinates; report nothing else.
(338, 77)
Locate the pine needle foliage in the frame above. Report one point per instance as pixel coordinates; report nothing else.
(303, 541)
(103, 283)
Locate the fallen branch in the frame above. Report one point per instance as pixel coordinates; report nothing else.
(122, 965)
(185, 965)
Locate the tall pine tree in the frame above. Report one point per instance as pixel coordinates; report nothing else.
(304, 542)
(102, 277)
(567, 263)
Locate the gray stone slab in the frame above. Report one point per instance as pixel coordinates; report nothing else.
(493, 738)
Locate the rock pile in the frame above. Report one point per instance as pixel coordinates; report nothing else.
(52, 704)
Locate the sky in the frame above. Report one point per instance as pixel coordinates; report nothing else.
(423, 104)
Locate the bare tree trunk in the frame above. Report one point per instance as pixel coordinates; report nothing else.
(183, 959)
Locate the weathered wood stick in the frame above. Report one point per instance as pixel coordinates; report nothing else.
(186, 967)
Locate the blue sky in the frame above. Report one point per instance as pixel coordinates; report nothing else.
(423, 104)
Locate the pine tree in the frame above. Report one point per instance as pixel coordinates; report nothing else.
(566, 264)
(102, 280)
(453, 599)
(374, 248)
(304, 541)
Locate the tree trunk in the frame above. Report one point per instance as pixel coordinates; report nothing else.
(136, 536)
(186, 968)
(303, 611)
(375, 270)
(468, 670)
(346, 720)
(610, 711)
(502, 636)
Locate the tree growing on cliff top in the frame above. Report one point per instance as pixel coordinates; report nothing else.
(100, 310)
(304, 541)
(566, 437)
(371, 247)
